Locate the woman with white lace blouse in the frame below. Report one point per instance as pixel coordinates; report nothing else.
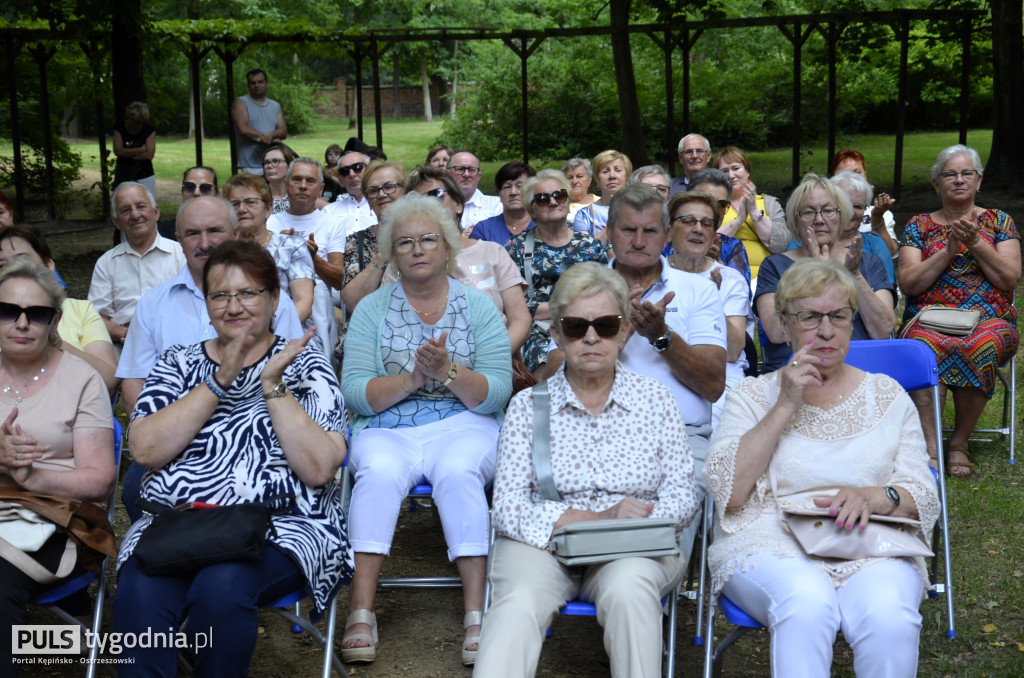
(837, 438)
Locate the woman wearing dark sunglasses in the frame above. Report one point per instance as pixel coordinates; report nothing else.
(554, 247)
(616, 453)
(56, 433)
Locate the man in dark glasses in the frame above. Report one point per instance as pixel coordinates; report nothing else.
(694, 155)
(465, 169)
(141, 260)
(351, 209)
(259, 122)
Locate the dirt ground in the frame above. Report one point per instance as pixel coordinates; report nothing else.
(420, 630)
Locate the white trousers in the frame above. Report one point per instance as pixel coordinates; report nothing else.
(529, 586)
(876, 609)
(456, 455)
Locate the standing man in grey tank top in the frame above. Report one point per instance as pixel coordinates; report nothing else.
(259, 122)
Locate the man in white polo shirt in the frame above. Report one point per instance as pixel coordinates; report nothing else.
(352, 210)
(465, 169)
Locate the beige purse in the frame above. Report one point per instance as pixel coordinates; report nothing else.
(956, 322)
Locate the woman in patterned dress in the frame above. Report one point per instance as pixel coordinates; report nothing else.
(427, 373)
(245, 417)
(616, 452)
(836, 438)
(556, 247)
(962, 256)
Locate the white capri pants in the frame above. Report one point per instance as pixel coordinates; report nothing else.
(455, 455)
(529, 586)
(876, 609)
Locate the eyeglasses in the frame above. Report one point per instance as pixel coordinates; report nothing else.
(35, 315)
(660, 188)
(953, 176)
(690, 152)
(559, 196)
(438, 193)
(807, 215)
(809, 320)
(607, 326)
(250, 203)
(356, 167)
(247, 298)
(690, 220)
(427, 241)
(386, 188)
(190, 187)
(465, 170)
(273, 162)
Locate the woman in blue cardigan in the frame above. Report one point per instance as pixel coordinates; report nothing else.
(427, 373)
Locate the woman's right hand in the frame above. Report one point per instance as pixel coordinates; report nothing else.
(800, 373)
(232, 358)
(17, 450)
(627, 508)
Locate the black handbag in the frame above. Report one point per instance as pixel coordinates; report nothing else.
(185, 539)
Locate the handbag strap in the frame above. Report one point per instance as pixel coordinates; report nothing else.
(542, 442)
(529, 242)
(33, 568)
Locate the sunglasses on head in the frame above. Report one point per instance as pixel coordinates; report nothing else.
(559, 196)
(607, 326)
(36, 315)
(356, 167)
(438, 193)
(190, 187)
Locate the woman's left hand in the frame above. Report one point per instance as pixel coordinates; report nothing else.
(17, 450)
(432, 358)
(750, 197)
(850, 506)
(279, 362)
(966, 231)
(850, 256)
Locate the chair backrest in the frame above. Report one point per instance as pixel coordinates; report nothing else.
(909, 362)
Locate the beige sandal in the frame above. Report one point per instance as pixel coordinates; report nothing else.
(472, 618)
(360, 655)
(960, 469)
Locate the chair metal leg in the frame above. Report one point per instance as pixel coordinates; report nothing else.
(702, 590)
(944, 516)
(716, 659)
(670, 646)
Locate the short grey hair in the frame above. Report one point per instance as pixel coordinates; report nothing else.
(801, 194)
(713, 176)
(125, 185)
(639, 197)
(682, 142)
(307, 161)
(366, 158)
(26, 269)
(947, 154)
(648, 171)
(222, 200)
(417, 205)
(586, 279)
(530, 185)
(573, 163)
(854, 183)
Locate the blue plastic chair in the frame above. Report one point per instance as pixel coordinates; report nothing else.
(912, 364)
(60, 590)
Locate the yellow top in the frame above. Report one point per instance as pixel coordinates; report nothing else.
(756, 251)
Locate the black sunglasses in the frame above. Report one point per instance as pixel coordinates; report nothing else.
(559, 196)
(190, 187)
(36, 315)
(356, 167)
(607, 326)
(438, 193)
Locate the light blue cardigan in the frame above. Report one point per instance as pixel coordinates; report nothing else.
(363, 362)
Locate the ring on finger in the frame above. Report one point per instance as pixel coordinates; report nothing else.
(795, 364)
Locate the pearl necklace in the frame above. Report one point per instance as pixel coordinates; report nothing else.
(17, 392)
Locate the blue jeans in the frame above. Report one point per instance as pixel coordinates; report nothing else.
(220, 601)
(130, 489)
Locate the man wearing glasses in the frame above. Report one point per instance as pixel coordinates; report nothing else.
(694, 155)
(465, 169)
(259, 122)
(351, 209)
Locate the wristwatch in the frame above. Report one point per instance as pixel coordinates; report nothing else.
(279, 391)
(451, 374)
(893, 495)
(662, 342)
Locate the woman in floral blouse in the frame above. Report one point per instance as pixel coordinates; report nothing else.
(604, 468)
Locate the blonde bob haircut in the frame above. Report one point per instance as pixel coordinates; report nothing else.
(376, 166)
(410, 206)
(584, 280)
(530, 185)
(810, 277)
(802, 193)
(25, 269)
(604, 158)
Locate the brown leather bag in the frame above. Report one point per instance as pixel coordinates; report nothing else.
(522, 378)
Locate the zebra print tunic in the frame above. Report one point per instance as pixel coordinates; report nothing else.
(236, 457)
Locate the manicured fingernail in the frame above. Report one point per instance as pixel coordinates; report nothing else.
(849, 525)
(831, 512)
(863, 527)
(839, 523)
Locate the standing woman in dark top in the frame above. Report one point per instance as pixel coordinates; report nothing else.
(134, 146)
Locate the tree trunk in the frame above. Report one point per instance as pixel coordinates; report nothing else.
(396, 85)
(1006, 160)
(629, 106)
(126, 55)
(428, 113)
(455, 81)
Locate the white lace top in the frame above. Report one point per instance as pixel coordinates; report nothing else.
(873, 438)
